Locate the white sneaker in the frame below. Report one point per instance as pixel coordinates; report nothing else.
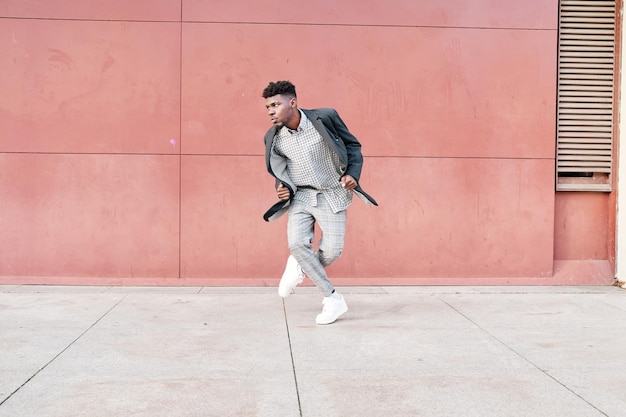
(292, 276)
(334, 306)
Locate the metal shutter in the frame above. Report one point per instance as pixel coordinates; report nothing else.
(585, 95)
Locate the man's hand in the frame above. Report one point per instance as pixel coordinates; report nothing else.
(283, 192)
(348, 182)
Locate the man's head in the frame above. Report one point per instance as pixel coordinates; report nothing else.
(282, 105)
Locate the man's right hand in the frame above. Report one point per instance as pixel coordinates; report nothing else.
(283, 192)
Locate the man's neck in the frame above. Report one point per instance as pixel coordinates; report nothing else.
(293, 124)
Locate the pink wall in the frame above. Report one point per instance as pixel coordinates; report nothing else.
(131, 139)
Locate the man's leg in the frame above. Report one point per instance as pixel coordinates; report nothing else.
(300, 235)
(333, 227)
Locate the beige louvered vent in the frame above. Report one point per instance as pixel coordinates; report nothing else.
(585, 95)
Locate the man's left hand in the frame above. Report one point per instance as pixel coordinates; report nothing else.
(348, 182)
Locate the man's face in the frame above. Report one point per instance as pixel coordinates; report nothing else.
(281, 109)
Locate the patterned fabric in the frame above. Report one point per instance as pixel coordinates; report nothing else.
(300, 234)
(311, 165)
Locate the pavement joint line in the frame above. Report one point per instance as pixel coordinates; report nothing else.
(62, 351)
(543, 371)
(293, 364)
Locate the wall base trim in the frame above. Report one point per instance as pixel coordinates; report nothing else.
(575, 272)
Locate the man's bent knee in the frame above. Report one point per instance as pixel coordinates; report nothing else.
(327, 257)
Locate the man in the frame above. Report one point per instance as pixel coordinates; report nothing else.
(317, 163)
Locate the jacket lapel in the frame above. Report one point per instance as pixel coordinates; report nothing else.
(324, 133)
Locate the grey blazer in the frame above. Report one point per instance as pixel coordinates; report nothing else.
(335, 133)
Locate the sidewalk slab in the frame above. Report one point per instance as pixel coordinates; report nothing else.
(459, 353)
(573, 338)
(166, 355)
(35, 328)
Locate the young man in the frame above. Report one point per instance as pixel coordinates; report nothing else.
(317, 163)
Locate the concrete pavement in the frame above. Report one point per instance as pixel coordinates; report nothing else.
(399, 351)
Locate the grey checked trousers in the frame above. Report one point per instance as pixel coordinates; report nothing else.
(300, 235)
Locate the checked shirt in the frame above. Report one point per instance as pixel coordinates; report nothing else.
(311, 165)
